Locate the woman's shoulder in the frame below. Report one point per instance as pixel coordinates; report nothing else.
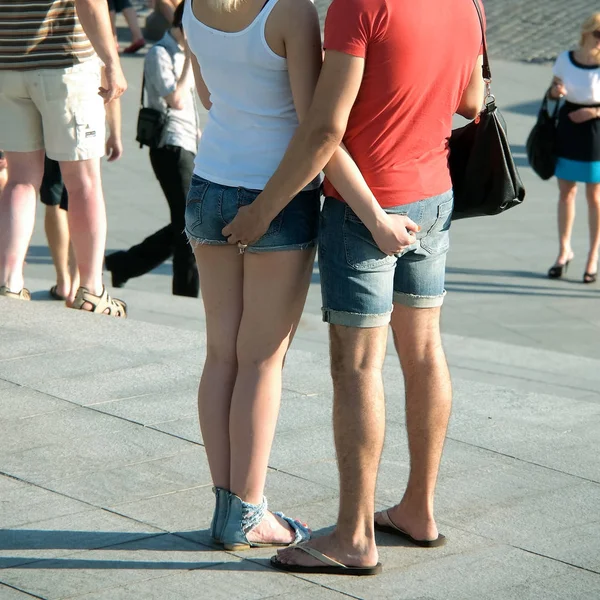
(295, 8)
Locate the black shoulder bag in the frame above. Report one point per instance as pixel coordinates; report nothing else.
(484, 176)
(150, 124)
(541, 142)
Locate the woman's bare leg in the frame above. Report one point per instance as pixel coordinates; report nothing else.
(221, 284)
(592, 192)
(275, 288)
(566, 217)
(132, 22)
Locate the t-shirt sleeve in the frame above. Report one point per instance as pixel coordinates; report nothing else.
(159, 73)
(350, 25)
(558, 70)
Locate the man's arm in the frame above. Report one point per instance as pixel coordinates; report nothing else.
(95, 20)
(176, 98)
(114, 145)
(316, 144)
(471, 101)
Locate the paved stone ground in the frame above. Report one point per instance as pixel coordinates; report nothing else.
(532, 31)
(104, 486)
(105, 490)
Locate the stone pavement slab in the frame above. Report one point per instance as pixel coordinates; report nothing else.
(96, 501)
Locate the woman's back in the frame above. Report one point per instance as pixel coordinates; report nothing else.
(252, 118)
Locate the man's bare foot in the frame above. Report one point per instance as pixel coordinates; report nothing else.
(363, 555)
(417, 525)
(272, 530)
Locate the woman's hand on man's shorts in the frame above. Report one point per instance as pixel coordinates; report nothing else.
(395, 233)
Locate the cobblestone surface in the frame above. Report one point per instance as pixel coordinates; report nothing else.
(531, 30)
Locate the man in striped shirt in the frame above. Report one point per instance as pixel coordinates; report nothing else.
(52, 101)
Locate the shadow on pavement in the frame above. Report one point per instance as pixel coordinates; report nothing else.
(525, 108)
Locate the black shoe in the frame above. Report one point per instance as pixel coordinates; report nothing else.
(556, 272)
(590, 277)
(117, 280)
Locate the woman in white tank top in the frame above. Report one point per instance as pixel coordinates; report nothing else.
(256, 64)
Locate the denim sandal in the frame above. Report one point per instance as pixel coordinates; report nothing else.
(242, 517)
(220, 513)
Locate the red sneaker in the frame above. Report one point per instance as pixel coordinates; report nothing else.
(135, 46)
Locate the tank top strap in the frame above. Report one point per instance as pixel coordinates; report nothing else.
(266, 11)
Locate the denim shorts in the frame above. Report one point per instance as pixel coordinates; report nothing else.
(211, 206)
(360, 284)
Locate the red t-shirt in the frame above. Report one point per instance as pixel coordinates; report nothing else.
(419, 56)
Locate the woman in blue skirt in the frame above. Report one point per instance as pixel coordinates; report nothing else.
(577, 79)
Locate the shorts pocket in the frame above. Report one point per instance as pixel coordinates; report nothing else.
(247, 197)
(362, 253)
(437, 239)
(194, 202)
(85, 133)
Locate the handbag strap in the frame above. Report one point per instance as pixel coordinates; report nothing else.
(487, 72)
(143, 88)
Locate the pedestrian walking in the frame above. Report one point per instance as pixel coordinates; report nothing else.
(52, 102)
(169, 85)
(577, 80)
(394, 74)
(130, 14)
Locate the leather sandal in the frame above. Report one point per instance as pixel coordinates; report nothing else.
(103, 304)
(24, 294)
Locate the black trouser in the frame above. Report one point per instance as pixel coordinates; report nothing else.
(173, 167)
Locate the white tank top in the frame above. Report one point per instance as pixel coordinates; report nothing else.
(252, 118)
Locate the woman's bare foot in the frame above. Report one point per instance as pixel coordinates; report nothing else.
(272, 530)
(564, 257)
(356, 555)
(417, 525)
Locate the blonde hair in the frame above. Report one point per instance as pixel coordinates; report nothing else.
(224, 5)
(591, 24)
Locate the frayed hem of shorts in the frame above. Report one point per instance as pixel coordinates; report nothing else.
(286, 248)
(358, 320)
(416, 301)
(196, 242)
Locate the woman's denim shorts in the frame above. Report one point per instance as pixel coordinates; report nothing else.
(360, 284)
(211, 206)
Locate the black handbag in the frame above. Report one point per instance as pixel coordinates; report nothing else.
(541, 142)
(485, 178)
(150, 124)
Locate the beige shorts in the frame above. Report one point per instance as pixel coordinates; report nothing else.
(57, 110)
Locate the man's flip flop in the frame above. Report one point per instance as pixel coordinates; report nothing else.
(392, 529)
(329, 566)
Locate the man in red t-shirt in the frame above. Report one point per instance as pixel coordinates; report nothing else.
(393, 76)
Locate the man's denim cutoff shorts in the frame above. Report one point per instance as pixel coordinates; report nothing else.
(360, 284)
(211, 206)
